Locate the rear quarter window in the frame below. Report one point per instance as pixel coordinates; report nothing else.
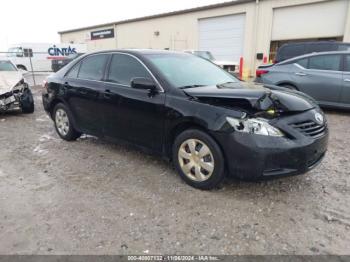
(303, 62)
(73, 73)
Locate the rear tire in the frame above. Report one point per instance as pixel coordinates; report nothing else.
(63, 123)
(198, 159)
(27, 102)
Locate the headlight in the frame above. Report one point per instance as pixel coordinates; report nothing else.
(258, 126)
(20, 85)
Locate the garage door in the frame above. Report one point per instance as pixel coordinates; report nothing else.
(223, 36)
(310, 21)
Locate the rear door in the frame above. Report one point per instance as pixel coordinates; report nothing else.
(322, 79)
(131, 114)
(84, 87)
(345, 95)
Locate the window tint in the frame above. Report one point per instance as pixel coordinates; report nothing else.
(28, 52)
(291, 51)
(73, 73)
(92, 67)
(303, 62)
(124, 68)
(325, 62)
(344, 47)
(347, 63)
(320, 47)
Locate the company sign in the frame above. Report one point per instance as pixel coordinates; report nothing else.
(56, 51)
(102, 34)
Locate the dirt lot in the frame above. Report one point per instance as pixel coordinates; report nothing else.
(91, 197)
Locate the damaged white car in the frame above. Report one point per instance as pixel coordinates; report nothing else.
(14, 91)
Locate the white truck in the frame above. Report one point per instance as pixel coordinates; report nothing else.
(37, 57)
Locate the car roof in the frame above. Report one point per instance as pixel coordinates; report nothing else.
(314, 54)
(138, 51)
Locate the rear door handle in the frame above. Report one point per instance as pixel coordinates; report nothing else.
(301, 74)
(347, 80)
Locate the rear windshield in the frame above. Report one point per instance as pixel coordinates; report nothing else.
(7, 66)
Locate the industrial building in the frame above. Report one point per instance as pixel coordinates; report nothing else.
(251, 29)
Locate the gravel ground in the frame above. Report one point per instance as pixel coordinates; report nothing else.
(92, 197)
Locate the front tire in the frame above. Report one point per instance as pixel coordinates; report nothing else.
(198, 159)
(27, 102)
(63, 123)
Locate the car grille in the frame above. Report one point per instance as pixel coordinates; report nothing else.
(310, 128)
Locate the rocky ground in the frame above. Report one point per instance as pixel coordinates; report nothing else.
(92, 197)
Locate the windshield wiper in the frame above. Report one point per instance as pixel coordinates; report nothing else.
(190, 86)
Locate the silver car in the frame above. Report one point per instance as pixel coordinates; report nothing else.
(323, 76)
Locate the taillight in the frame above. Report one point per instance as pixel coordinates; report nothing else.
(260, 72)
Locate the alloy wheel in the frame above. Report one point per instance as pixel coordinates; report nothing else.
(62, 122)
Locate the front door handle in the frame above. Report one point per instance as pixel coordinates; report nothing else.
(301, 74)
(346, 80)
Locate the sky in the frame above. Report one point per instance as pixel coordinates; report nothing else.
(40, 20)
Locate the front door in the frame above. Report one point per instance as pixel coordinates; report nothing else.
(132, 114)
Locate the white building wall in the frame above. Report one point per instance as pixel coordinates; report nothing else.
(180, 32)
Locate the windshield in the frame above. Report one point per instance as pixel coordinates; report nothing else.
(182, 70)
(204, 54)
(7, 66)
(15, 51)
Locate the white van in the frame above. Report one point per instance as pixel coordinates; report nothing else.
(38, 56)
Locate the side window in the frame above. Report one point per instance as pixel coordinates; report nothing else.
(347, 63)
(303, 62)
(291, 51)
(92, 67)
(325, 62)
(28, 52)
(124, 68)
(73, 73)
(344, 47)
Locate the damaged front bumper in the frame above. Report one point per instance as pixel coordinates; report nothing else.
(10, 101)
(256, 157)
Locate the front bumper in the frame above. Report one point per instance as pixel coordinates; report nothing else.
(10, 101)
(252, 157)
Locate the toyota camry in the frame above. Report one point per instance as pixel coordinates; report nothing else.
(190, 111)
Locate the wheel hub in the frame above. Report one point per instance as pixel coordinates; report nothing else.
(62, 122)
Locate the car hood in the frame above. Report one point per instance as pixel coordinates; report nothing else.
(257, 96)
(8, 80)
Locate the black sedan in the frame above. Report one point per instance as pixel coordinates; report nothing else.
(190, 111)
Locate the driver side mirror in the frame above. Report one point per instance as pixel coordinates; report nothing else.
(143, 83)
